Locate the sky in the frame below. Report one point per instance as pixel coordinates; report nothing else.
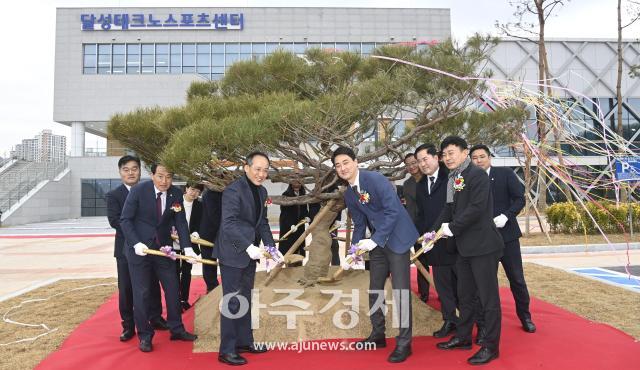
(28, 49)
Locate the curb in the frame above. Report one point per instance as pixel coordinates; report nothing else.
(573, 248)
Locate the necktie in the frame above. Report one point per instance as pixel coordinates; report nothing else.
(159, 205)
(355, 188)
(432, 179)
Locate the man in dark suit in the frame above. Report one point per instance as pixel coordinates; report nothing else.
(431, 197)
(244, 226)
(508, 201)
(291, 215)
(209, 226)
(409, 188)
(129, 169)
(193, 214)
(468, 218)
(150, 211)
(374, 203)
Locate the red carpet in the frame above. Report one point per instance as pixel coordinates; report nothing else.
(563, 341)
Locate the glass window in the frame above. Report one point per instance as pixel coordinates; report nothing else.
(367, 48)
(162, 70)
(314, 45)
(162, 60)
(271, 47)
(147, 60)
(204, 48)
(203, 60)
(188, 60)
(232, 48)
(217, 48)
(342, 46)
(354, 48)
(217, 69)
(104, 49)
(176, 60)
(245, 48)
(230, 59)
(329, 45)
(89, 70)
(204, 70)
(133, 49)
(258, 48)
(147, 49)
(299, 47)
(188, 69)
(217, 76)
(288, 46)
(175, 70)
(90, 49)
(176, 49)
(90, 61)
(188, 48)
(245, 57)
(217, 60)
(119, 49)
(162, 48)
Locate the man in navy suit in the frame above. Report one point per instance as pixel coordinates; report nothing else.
(129, 169)
(374, 203)
(244, 225)
(150, 211)
(508, 201)
(431, 196)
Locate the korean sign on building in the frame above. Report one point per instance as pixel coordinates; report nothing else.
(182, 21)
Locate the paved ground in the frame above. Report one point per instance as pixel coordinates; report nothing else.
(36, 254)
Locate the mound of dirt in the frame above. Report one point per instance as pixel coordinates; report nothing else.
(332, 311)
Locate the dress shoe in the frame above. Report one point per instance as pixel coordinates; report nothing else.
(185, 305)
(379, 343)
(481, 336)
(127, 333)
(483, 356)
(145, 345)
(233, 359)
(184, 336)
(447, 328)
(252, 349)
(528, 326)
(159, 324)
(455, 343)
(400, 354)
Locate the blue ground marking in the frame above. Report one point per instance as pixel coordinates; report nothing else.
(595, 271)
(611, 277)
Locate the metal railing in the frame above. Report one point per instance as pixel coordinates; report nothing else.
(20, 179)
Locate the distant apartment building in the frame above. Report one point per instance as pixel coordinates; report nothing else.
(44, 147)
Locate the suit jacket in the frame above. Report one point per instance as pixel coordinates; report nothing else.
(115, 202)
(239, 228)
(470, 216)
(211, 215)
(388, 220)
(508, 199)
(429, 208)
(140, 223)
(291, 215)
(409, 188)
(195, 221)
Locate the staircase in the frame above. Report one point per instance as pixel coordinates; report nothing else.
(17, 180)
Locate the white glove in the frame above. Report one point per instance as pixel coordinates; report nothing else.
(367, 244)
(195, 235)
(191, 254)
(294, 228)
(139, 248)
(254, 252)
(176, 245)
(345, 266)
(446, 231)
(500, 221)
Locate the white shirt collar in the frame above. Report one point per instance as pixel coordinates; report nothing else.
(488, 171)
(127, 186)
(357, 181)
(435, 175)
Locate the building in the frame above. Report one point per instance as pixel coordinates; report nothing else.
(111, 60)
(44, 147)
